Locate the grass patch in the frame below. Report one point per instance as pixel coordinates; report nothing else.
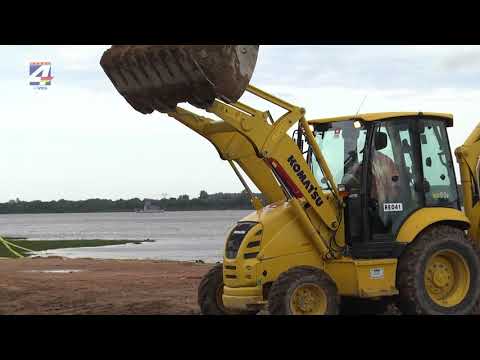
(39, 245)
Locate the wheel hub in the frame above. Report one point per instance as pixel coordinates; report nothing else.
(447, 278)
(305, 300)
(308, 299)
(441, 277)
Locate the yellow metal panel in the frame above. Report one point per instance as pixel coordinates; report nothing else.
(283, 233)
(364, 278)
(254, 216)
(242, 298)
(243, 291)
(241, 302)
(474, 136)
(376, 277)
(422, 218)
(344, 273)
(270, 269)
(468, 156)
(474, 231)
(381, 116)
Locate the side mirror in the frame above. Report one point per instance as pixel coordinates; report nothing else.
(380, 141)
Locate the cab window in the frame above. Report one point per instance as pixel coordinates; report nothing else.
(438, 166)
(342, 145)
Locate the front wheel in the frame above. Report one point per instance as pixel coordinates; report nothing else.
(439, 274)
(303, 291)
(210, 294)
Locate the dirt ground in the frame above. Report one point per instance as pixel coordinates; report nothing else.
(55, 285)
(106, 287)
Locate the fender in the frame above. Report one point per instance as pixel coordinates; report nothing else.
(422, 218)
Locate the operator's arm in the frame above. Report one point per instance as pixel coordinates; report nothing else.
(385, 179)
(394, 178)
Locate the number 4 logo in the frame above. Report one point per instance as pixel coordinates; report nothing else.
(40, 73)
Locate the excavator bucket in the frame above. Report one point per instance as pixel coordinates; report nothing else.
(158, 77)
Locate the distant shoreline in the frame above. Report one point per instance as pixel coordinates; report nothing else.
(205, 201)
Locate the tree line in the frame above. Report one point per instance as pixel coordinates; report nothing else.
(205, 201)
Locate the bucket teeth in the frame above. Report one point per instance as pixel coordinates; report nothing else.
(158, 77)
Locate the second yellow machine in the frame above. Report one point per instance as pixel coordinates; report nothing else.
(360, 209)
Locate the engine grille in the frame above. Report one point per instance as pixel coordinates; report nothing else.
(236, 237)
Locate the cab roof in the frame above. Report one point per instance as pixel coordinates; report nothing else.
(384, 116)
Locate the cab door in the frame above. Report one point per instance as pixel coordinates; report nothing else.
(395, 181)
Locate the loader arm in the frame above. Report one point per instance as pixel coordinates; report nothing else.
(233, 146)
(272, 160)
(468, 158)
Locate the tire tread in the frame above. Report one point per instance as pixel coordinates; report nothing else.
(410, 264)
(278, 292)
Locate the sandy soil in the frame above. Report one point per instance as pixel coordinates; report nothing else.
(55, 285)
(107, 287)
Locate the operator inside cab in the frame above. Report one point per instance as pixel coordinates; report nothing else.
(384, 174)
(344, 145)
(389, 167)
(384, 185)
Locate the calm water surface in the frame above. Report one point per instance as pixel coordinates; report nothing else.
(180, 235)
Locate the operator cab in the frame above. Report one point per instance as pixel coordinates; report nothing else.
(390, 165)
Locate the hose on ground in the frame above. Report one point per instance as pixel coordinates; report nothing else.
(9, 246)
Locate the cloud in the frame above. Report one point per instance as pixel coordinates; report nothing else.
(79, 57)
(464, 59)
(81, 139)
(383, 67)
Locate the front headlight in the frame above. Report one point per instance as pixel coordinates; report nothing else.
(236, 237)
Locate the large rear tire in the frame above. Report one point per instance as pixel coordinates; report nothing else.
(303, 291)
(439, 274)
(210, 293)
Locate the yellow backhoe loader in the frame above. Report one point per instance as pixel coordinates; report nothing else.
(360, 209)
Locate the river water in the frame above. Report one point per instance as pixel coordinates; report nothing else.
(179, 235)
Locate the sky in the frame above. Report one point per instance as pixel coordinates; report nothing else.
(80, 139)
